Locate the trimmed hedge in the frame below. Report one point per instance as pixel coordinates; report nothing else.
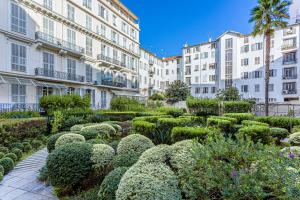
(7, 163)
(175, 112)
(102, 157)
(280, 122)
(231, 119)
(203, 107)
(184, 133)
(223, 124)
(294, 139)
(126, 104)
(17, 152)
(52, 140)
(19, 114)
(240, 116)
(68, 138)
(279, 133)
(256, 133)
(144, 128)
(13, 156)
(251, 123)
(237, 106)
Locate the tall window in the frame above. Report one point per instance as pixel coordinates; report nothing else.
(103, 99)
(103, 30)
(71, 13)
(102, 12)
(71, 69)
(87, 3)
(18, 57)
(48, 64)
(229, 43)
(18, 93)
(89, 46)
(88, 22)
(71, 38)
(48, 28)
(89, 73)
(18, 19)
(48, 4)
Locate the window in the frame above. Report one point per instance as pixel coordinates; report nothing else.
(103, 100)
(188, 70)
(290, 73)
(88, 22)
(246, 40)
(289, 43)
(196, 68)
(271, 87)
(18, 93)
(273, 73)
(167, 72)
(197, 90)
(103, 30)
(114, 36)
(48, 4)
(71, 69)
(204, 55)
(213, 54)
(18, 57)
(196, 56)
(124, 27)
(205, 90)
(197, 79)
(87, 3)
(196, 49)
(48, 64)
(245, 49)
(257, 88)
(18, 19)
(257, 74)
(71, 12)
(212, 66)
(272, 43)
(89, 73)
(187, 59)
(89, 46)
(244, 88)
(212, 78)
(71, 38)
(188, 80)
(213, 90)
(229, 43)
(204, 66)
(48, 27)
(290, 58)
(289, 88)
(245, 62)
(114, 21)
(257, 60)
(256, 46)
(188, 50)
(245, 75)
(102, 12)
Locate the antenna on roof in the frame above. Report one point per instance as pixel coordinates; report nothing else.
(186, 44)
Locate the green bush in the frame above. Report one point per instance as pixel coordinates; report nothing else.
(237, 106)
(151, 119)
(251, 123)
(280, 122)
(71, 121)
(296, 129)
(17, 152)
(157, 97)
(295, 139)
(126, 104)
(36, 144)
(96, 141)
(224, 125)
(63, 102)
(232, 120)
(77, 128)
(240, 116)
(7, 163)
(279, 133)
(151, 181)
(43, 174)
(103, 130)
(19, 114)
(27, 147)
(110, 184)
(69, 164)
(130, 148)
(52, 140)
(13, 156)
(256, 133)
(144, 128)
(4, 149)
(102, 157)
(203, 107)
(184, 133)
(1, 177)
(18, 145)
(175, 112)
(68, 138)
(116, 126)
(2, 155)
(1, 169)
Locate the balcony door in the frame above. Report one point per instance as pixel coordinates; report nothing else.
(48, 29)
(48, 64)
(71, 69)
(71, 38)
(103, 99)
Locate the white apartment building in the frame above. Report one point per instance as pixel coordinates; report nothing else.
(238, 60)
(151, 73)
(295, 12)
(67, 46)
(173, 69)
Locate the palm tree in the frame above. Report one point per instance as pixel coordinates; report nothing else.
(267, 16)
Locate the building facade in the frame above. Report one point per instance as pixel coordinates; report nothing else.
(235, 59)
(295, 12)
(64, 47)
(173, 69)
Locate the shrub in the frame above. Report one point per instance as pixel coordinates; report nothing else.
(151, 119)
(296, 129)
(175, 112)
(27, 147)
(184, 133)
(57, 121)
(177, 91)
(69, 164)
(96, 141)
(1, 169)
(13, 156)
(1, 177)
(224, 125)
(151, 181)
(203, 107)
(103, 130)
(237, 106)
(232, 120)
(2, 155)
(102, 157)
(126, 104)
(118, 116)
(116, 126)
(7, 164)
(36, 144)
(43, 174)
(19, 114)
(4, 149)
(71, 121)
(52, 140)
(256, 133)
(18, 145)
(144, 128)
(130, 148)
(77, 128)
(17, 152)
(240, 116)
(279, 133)
(68, 138)
(295, 139)
(280, 122)
(110, 184)
(157, 97)
(255, 123)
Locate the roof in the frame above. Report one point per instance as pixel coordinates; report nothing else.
(172, 58)
(124, 8)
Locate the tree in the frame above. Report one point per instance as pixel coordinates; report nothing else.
(267, 16)
(229, 94)
(177, 91)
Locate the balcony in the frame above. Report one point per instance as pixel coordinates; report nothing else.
(58, 75)
(289, 62)
(114, 62)
(288, 92)
(288, 46)
(289, 31)
(289, 77)
(58, 44)
(113, 83)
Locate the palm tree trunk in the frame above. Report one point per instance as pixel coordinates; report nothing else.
(267, 71)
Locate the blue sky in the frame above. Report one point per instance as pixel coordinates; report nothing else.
(166, 25)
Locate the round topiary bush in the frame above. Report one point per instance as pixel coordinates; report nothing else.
(18, 153)
(18, 145)
(4, 149)
(117, 127)
(7, 164)
(279, 133)
(69, 164)
(295, 139)
(36, 144)
(110, 184)
(1, 155)
(27, 147)
(1, 177)
(52, 140)
(130, 149)
(1, 169)
(150, 181)
(157, 154)
(89, 132)
(68, 138)
(102, 157)
(76, 128)
(13, 156)
(96, 141)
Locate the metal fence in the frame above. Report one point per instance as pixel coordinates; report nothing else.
(8, 107)
(278, 109)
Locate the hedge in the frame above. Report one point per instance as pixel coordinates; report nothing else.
(151, 119)
(7, 163)
(175, 112)
(256, 133)
(52, 140)
(279, 133)
(19, 114)
(251, 123)
(69, 138)
(184, 133)
(280, 122)
(224, 125)
(203, 107)
(116, 116)
(294, 139)
(126, 104)
(237, 106)
(240, 116)
(144, 128)
(231, 119)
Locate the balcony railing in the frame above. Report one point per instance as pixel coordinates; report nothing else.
(43, 37)
(288, 46)
(287, 92)
(287, 77)
(113, 61)
(8, 107)
(58, 75)
(289, 62)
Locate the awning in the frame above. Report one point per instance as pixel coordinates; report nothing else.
(53, 85)
(126, 93)
(16, 80)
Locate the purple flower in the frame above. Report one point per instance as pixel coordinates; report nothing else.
(291, 155)
(234, 174)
